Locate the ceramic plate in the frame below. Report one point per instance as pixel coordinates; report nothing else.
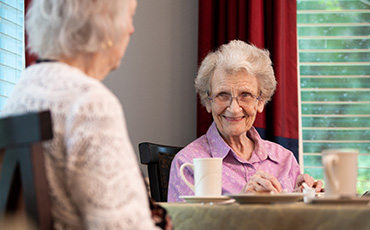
(266, 198)
(204, 199)
(345, 200)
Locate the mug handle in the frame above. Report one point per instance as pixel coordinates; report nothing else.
(190, 185)
(328, 167)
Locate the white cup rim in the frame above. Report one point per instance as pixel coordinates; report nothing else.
(340, 151)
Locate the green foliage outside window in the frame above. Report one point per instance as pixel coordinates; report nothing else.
(334, 65)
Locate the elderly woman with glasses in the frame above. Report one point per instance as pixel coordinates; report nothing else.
(93, 175)
(234, 83)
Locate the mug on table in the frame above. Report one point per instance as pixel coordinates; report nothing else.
(340, 172)
(207, 176)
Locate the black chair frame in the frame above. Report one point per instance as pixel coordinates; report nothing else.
(23, 168)
(149, 155)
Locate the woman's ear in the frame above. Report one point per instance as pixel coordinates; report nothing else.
(208, 106)
(260, 106)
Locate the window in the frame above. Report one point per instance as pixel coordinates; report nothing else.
(11, 46)
(334, 67)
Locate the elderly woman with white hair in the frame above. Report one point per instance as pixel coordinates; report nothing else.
(94, 177)
(234, 83)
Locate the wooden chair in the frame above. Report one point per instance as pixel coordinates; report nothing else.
(158, 158)
(23, 168)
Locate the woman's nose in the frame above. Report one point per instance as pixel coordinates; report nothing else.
(234, 104)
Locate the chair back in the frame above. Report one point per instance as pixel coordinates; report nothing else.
(22, 170)
(158, 158)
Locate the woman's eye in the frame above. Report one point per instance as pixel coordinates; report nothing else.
(223, 94)
(245, 94)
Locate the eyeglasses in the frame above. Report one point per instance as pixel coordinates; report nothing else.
(225, 99)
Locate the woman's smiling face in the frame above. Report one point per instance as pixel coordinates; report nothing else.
(234, 120)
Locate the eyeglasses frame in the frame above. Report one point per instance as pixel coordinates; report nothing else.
(236, 98)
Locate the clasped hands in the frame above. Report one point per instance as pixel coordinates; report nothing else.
(262, 182)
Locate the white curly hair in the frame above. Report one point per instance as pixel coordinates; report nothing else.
(232, 58)
(64, 28)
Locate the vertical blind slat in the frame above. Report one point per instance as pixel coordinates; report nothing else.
(11, 45)
(333, 46)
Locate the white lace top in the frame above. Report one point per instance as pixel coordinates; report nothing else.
(91, 167)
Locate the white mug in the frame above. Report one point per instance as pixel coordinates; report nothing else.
(207, 176)
(340, 172)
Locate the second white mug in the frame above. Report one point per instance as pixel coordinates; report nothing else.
(207, 176)
(340, 171)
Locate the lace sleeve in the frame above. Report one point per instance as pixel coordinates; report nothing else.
(102, 172)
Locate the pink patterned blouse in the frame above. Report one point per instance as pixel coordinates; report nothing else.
(267, 156)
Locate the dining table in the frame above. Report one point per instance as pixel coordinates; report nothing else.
(289, 215)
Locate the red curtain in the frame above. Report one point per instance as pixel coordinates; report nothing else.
(30, 59)
(269, 24)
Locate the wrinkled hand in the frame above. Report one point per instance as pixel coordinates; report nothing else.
(262, 182)
(309, 181)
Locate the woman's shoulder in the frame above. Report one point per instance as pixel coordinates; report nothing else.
(275, 147)
(277, 151)
(87, 93)
(268, 146)
(58, 80)
(197, 148)
(61, 89)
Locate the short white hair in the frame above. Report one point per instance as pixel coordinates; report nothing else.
(65, 28)
(234, 57)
